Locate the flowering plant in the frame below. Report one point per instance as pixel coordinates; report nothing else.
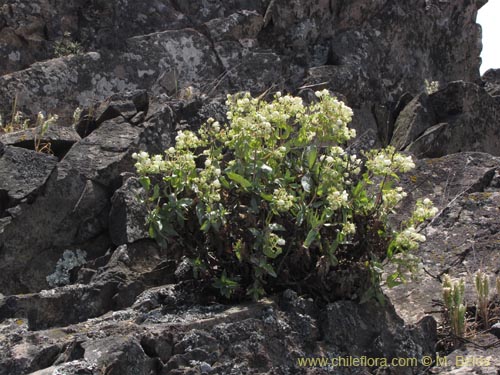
(276, 199)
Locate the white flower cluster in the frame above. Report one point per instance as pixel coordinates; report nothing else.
(149, 165)
(330, 119)
(45, 122)
(387, 162)
(186, 139)
(207, 184)
(337, 199)
(424, 210)
(348, 228)
(282, 201)
(408, 239)
(391, 197)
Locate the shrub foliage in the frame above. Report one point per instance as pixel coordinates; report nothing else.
(275, 198)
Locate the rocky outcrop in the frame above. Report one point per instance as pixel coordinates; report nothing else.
(492, 82)
(159, 336)
(148, 69)
(460, 117)
(370, 52)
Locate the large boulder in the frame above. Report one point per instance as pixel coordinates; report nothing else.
(460, 117)
(72, 197)
(60, 85)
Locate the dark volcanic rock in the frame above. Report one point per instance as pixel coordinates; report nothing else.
(155, 67)
(492, 82)
(200, 339)
(22, 174)
(127, 216)
(58, 138)
(75, 203)
(460, 117)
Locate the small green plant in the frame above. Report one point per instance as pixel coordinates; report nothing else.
(18, 120)
(66, 46)
(276, 199)
(41, 127)
(482, 284)
(431, 86)
(453, 297)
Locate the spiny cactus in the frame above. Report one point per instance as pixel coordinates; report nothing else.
(482, 284)
(453, 296)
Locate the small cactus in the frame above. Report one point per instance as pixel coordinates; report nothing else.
(453, 296)
(482, 284)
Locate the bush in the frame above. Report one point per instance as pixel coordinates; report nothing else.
(275, 199)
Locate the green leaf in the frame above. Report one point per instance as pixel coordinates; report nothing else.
(272, 253)
(394, 280)
(205, 227)
(255, 232)
(200, 212)
(156, 193)
(151, 231)
(312, 154)
(311, 236)
(267, 197)
(301, 215)
(145, 182)
(269, 269)
(224, 183)
(185, 202)
(239, 179)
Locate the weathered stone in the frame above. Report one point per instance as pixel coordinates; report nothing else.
(492, 82)
(127, 216)
(412, 122)
(460, 117)
(22, 174)
(377, 332)
(56, 139)
(462, 237)
(63, 84)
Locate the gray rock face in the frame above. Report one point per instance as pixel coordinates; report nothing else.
(371, 52)
(265, 336)
(127, 215)
(22, 173)
(460, 117)
(377, 332)
(74, 200)
(150, 68)
(59, 139)
(492, 82)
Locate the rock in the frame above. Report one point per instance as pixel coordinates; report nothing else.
(375, 332)
(492, 81)
(75, 206)
(460, 117)
(58, 138)
(461, 238)
(120, 355)
(65, 83)
(495, 329)
(127, 216)
(22, 174)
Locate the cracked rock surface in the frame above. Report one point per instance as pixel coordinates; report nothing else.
(150, 68)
